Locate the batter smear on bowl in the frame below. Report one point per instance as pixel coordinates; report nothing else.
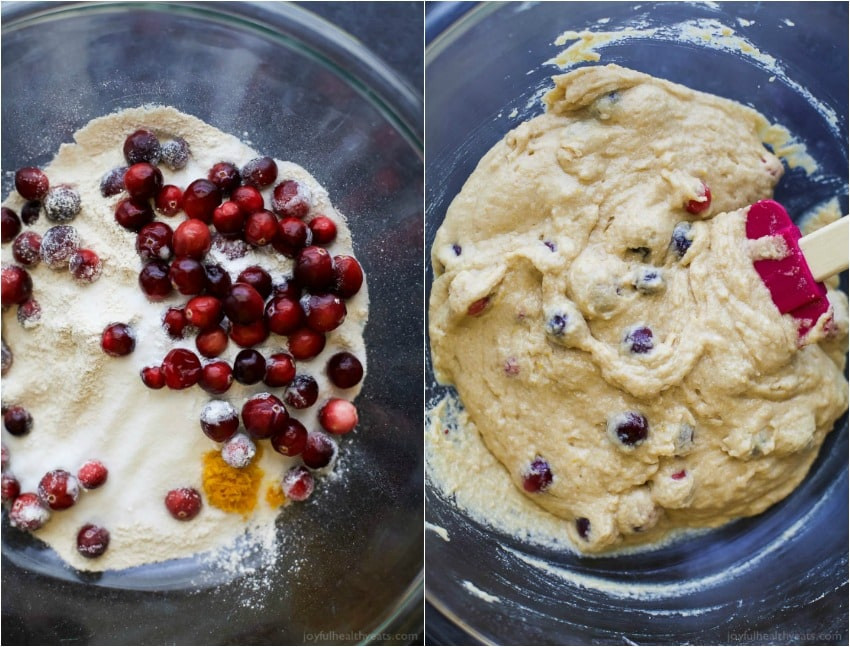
(596, 307)
(174, 336)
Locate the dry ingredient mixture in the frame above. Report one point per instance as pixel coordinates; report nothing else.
(622, 369)
(182, 341)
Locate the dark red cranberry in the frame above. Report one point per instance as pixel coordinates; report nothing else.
(142, 146)
(314, 269)
(16, 285)
(31, 183)
(216, 377)
(630, 428)
(682, 238)
(288, 288)
(61, 204)
(200, 199)
(538, 476)
(639, 340)
(118, 339)
(303, 392)
(292, 236)
(9, 488)
(169, 200)
(187, 275)
(248, 335)
(238, 451)
(248, 199)
(26, 248)
(143, 181)
(28, 513)
(92, 541)
(153, 377)
(192, 238)
(348, 276)
(112, 183)
(92, 474)
(583, 527)
(219, 420)
(11, 224)
(85, 266)
(29, 313)
(58, 244)
(257, 277)
(204, 312)
(260, 228)
(154, 242)
(298, 484)
(249, 367)
(344, 370)
(264, 415)
(155, 281)
(280, 370)
(183, 503)
(323, 230)
(324, 312)
(244, 305)
(318, 451)
(133, 214)
(181, 368)
(58, 490)
(698, 206)
(225, 176)
(228, 218)
(211, 343)
(284, 315)
(291, 199)
(260, 172)
(174, 321)
(305, 343)
(338, 416)
(218, 280)
(291, 439)
(30, 212)
(17, 420)
(175, 153)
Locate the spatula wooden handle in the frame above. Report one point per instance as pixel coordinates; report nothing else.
(826, 249)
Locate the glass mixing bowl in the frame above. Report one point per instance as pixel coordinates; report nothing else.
(296, 87)
(780, 577)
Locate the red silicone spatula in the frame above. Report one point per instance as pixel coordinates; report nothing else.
(795, 280)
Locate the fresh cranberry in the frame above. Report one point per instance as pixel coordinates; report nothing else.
(142, 146)
(28, 513)
(219, 420)
(260, 228)
(192, 238)
(143, 181)
(216, 377)
(344, 370)
(238, 451)
(639, 340)
(17, 420)
(175, 153)
(218, 280)
(30, 212)
(284, 315)
(318, 451)
(183, 503)
(9, 488)
(181, 368)
(85, 266)
(211, 343)
(292, 236)
(280, 370)
(298, 484)
(583, 527)
(303, 392)
(248, 335)
(154, 242)
(112, 182)
(62, 204)
(133, 214)
(16, 285)
(58, 244)
(260, 172)
(323, 230)
(348, 276)
(338, 416)
(257, 277)
(324, 312)
(225, 176)
(291, 439)
(200, 199)
(629, 428)
(244, 305)
(538, 476)
(314, 268)
(305, 343)
(58, 489)
(29, 313)
(155, 280)
(92, 541)
(249, 366)
(228, 218)
(31, 183)
(11, 224)
(187, 275)
(264, 415)
(174, 321)
(698, 206)
(291, 199)
(288, 288)
(92, 474)
(118, 339)
(248, 199)
(169, 200)
(26, 248)
(153, 377)
(204, 312)
(477, 308)
(682, 239)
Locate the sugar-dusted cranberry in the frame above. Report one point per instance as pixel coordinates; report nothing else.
(348, 276)
(288, 288)
(638, 340)
(537, 477)
(292, 236)
(303, 392)
(142, 146)
(17, 420)
(9, 488)
(244, 305)
(260, 172)
(30, 212)
(216, 377)
(477, 308)
(211, 343)
(319, 450)
(219, 420)
(143, 181)
(298, 484)
(291, 439)
(85, 266)
(155, 280)
(698, 206)
(153, 377)
(16, 285)
(192, 238)
(175, 153)
(682, 238)
(338, 416)
(31, 183)
(238, 451)
(583, 527)
(181, 368)
(7, 357)
(187, 275)
(228, 218)
(174, 321)
(284, 315)
(92, 474)
(200, 199)
(183, 503)
(649, 280)
(28, 513)
(291, 199)
(230, 248)
(58, 244)
(249, 366)
(344, 370)
(260, 228)
(133, 214)
(628, 429)
(257, 277)
(118, 339)
(324, 312)
(154, 241)
(248, 335)
(280, 370)
(204, 312)
(314, 268)
(112, 182)
(305, 343)
(61, 204)
(29, 313)
(264, 415)
(225, 176)
(323, 230)
(169, 200)
(92, 541)
(11, 224)
(58, 489)
(248, 199)
(218, 280)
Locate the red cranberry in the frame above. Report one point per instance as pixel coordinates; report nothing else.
(58, 244)
(17, 420)
(305, 343)
(133, 214)
(318, 451)
(192, 238)
(288, 288)
(264, 415)
(344, 370)
(323, 230)
(698, 206)
(16, 285)
(30, 212)
(58, 489)
(92, 541)
(143, 181)
(348, 276)
(260, 172)
(174, 321)
(31, 183)
(228, 218)
(183, 503)
(219, 420)
(92, 474)
(249, 367)
(248, 199)
(28, 513)
(218, 280)
(26, 248)
(476, 308)
(169, 200)
(225, 176)
(244, 305)
(639, 340)
(630, 428)
(260, 228)
(154, 242)
(291, 199)
(29, 313)
(325, 312)
(216, 377)
(155, 280)
(338, 416)
(187, 275)
(204, 312)
(291, 439)
(9, 488)
(153, 377)
(302, 393)
(314, 268)
(280, 370)
(211, 343)
(257, 277)
(85, 266)
(298, 484)
(284, 315)
(248, 335)
(11, 224)
(678, 476)
(583, 527)
(118, 339)
(200, 199)
(142, 146)
(112, 183)
(175, 153)
(538, 476)
(181, 368)
(238, 451)
(292, 236)
(62, 204)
